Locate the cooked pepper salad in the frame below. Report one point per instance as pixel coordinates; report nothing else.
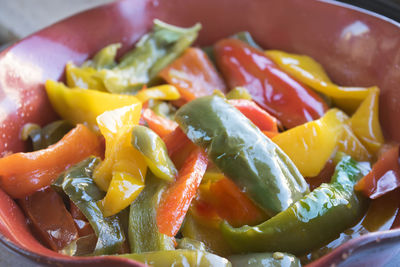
(216, 156)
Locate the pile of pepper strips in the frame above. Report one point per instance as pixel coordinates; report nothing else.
(125, 173)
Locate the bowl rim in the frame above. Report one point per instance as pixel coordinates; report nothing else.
(346, 248)
(64, 259)
(359, 9)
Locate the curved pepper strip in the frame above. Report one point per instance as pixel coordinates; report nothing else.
(123, 171)
(291, 102)
(105, 58)
(311, 73)
(262, 169)
(153, 52)
(162, 92)
(276, 259)
(351, 145)
(144, 235)
(21, 174)
(382, 211)
(224, 199)
(49, 218)
(83, 106)
(177, 198)
(48, 135)
(365, 122)
(257, 115)
(175, 140)
(193, 74)
(242, 36)
(83, 77)
(154, 152)
(78, 185)
(180, 257)
(312, 221)
(303, 143)
(160, 125)
(384, 177)
(246, 37)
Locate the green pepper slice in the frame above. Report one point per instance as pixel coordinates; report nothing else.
(246, 37)
(311, 222)
(48, 135)
(154, 151)
(143, 231)
(152, 53)
(105, 58)
(243, 153)
(78, 185)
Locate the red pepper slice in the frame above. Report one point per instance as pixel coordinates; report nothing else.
(290, 101)
(193, 75)
(175, 140)
(257, 115)
(21, 174)
(233, 205)
(159, 125)
(50, 219)
(384, 176)
(176, 200)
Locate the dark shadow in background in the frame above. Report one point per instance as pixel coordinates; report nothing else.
(388, 8)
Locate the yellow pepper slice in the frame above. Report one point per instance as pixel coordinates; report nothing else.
(311, 73)
(162, 92)
(365, 122)
(83, 77)
(83, 106)
(123, 190)
(352, 146)
(87, 75)
(311, 145)
(122, 173)
(105, 58)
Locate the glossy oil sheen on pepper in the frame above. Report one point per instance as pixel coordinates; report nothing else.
(248, 157)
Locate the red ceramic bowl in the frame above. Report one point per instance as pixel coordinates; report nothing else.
(356, 48)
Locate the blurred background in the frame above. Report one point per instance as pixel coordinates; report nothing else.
(19, 18)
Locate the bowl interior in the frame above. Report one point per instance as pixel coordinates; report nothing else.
(356, 49)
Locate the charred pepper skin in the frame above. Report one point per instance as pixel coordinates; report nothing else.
(248, 157)
(311, 222)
